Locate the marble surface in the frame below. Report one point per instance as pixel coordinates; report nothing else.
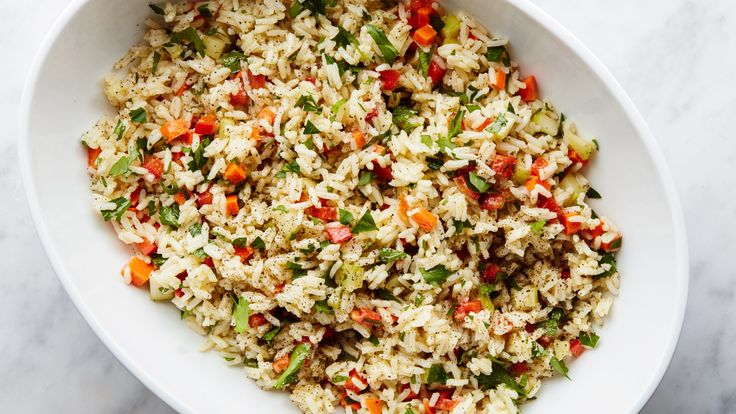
(676, 59)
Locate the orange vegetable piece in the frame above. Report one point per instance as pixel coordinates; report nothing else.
(571, 227)
(174, 129)
(280, 364)
(244, 252)
(500, 82)
(255, 133)
(484, 124)
(179, 198)
(140, 271)
(359, 138)
(374, 405)
(403, 208)
(183, 88)
(529, 93)
(425, 219)
(425, 36)
(231, 205)
(267, 114)
(92, 154)
(379, 149)
(146, 247)
(234, 173)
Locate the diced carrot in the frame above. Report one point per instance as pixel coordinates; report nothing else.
(446, 404)
(231, 205)
(204, 198)
(483, 124)
(571, 226)
(403, 208)
(531, 183)
(179, 198)
(244, 252)
(267, 114)
(365, 316)
(146, 247)
(257, 320)
(140, 271)
(255, 133)
(425, 219)
(281, 363)
(613, 245)
(425, 36)
(154, 165)
(529, 93)
(92, 154)
(279, 288)
(374, 405)
(173, 129)
(234, 173)
(423, 15)
(359, 138)
(499, 82)
(206, 125)
(183, 88)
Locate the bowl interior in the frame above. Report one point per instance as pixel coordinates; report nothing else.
(64, 98)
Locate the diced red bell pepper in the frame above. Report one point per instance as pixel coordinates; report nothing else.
(323, 213)
(92, 154)
(466, 308)
(436, 72)
(146, 247)
(565, 274)
(462, 184)
(550, 204)
(503, 165)
(134, 197)
(571, 226)
(545, 341)
(370, 116)
(613, 245)
(492, 201)
(446, 404)
(529, 93)
(518, 369)
(338, 233)
(256, 81)
(538, 164)
(154, 165)
(244, 252)
(239, 99)
(490, 273)
(256, 320)
(350, 385)
(390, 79)
(365, 316)
(384, 173)
(412, 395)
(576, 347)
(575, 157)
(206, 125)
(204, 198)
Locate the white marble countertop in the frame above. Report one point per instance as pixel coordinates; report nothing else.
(676, 59)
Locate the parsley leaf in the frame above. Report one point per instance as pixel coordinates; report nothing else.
(365, 178)
(589, 339)
(315, 6)
(120, 167)
(498, 376)
(498, 54)
(268, 336)
(307, 103)
(424, 59)
(169, 215)
(138, 115)
(400, 117)
(195, 229)
(240, 242)
(322, 307)
(258, 244)
(154, 62)
(198, 159)
(337, 105)
(479, 184)
(497, 124)
(119, 129)
(121, 206)
(456, 126)
(436, 374)
(310, 129)
(391, 255)
(461, 225)
(559, 367)
(292, 166)
(204, 10)
(241, 313)
(343, 38)
(435, 164)
(345, 217)
(231, 60)
(365, 224)
(385, 294)
(436, 275)
(609, 259)
(295, 9)
(591, 193)
(190, 34)
(388, 51)
(156, 9)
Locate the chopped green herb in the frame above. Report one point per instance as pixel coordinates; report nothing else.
(295, 9)
(436, 275)
(365, 178)
(591, 193)
(157, 259)
(559, 367)
(231, 60)
(268, 336)
(389, 255)
(498, 54)
(480, 185)
(292, 167)
(240, 242)
(190, 35)
(258, 244)
(400, 117)
(373, 340)
(385, 294)
(322, 307)
(497, 124)
(426, 140)
(456, 126)
(510, 108)
(169, 215)
(418, 299)
(365, 224)
(298, 356)
(121, 206)
(609, 259)
(195, 229)
(588, 339)
(120, 167)
(435, 164)
(345, 217)
(388, 51)
(138, 115)
(339, 379)
(280, 208)
(461, 225)
(537, 226)
(198, 159)
(204, 10)
(310, 129)
(499, 376)
(436, 374)
(315, 6)
(307, 103)
(156, 9)
(424, 58)
(343, 38)
(337, 105)
(472, 108)
(241, 313)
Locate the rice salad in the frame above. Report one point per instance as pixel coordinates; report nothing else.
(365, 203)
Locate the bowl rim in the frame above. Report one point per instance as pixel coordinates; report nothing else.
(525, 6)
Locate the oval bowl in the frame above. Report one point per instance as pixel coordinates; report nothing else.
(63, 97)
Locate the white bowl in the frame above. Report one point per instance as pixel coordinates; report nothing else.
(64, 97)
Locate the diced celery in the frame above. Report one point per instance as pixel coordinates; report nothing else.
(570, 183)
(174, 50)
(525, 299)
(451, 29)
(561, 349)
(215, 45)
(583, 147)
(547, 122)
(350, 276)
(224, 124)
(158, 292)
(521, 174)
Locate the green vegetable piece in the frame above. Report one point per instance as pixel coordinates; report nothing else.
(258, 244)
(291, 166)
(121, 206)
(346, 217)
(322, 307)
(499, 376)
(537, 226)
(343, 38)
(310, 129)
(241, 313)
(588, 339)
(424, 59)
(388, 51)
(365, 224)
(268, 336)
(436, 275)
(609, 259)
(298, 356)
(390, 255)
(350, 276)
(169, 215)
(138, 115)
(498, 54)
(385, 294)
(120, 167)
(456, 126)
(591, 193)
(195, 229)
(480, 185)
(365, 178)
(231, 60)
(559, 367)
(156, 9)
(451, 30)
(190, 35)
(436, 374)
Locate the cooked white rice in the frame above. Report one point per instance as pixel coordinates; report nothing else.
(468, 265)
